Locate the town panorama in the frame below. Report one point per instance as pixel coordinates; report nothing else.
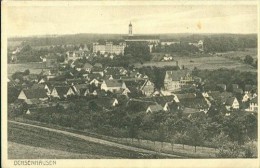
(135, 96)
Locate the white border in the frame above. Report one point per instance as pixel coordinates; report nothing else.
(149, 163)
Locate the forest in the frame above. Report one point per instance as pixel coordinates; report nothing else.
(246, 41)
(211, 44)
(225, 76)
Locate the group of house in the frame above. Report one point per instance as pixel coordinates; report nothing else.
(106, 85)
(100, 82)
(188, 103)
(96, 81)
(77, 54)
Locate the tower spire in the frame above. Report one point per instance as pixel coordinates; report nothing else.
(130, 32)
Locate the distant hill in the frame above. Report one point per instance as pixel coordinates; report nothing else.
(64, 39)
(47, 40)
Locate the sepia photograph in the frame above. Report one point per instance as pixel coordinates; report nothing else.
(138, 80)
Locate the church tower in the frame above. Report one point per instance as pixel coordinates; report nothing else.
(130, 33)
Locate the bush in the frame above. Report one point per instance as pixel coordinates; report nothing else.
(229, 150)
(250, 150)
(248, 60)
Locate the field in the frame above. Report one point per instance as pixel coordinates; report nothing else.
(240, 54)
(229, 60)
(210, 63)
(159, 56)
(185, 151)
(20, 151)
(33, 143)
(13, 44)
(34, 67)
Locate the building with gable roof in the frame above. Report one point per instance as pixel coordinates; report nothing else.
(253, 105)
(147, 88)
(232, 103)
(106, 103)
(72, 55)
(80, 89)
(113, 85)
(62, 92)
(154, 108)
(26, 94)
(175, 80)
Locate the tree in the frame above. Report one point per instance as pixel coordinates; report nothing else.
(15, 110)
(214, 110)
(101, 41)
(18, 75)
(26, 72)
(195, 71)
(159, 75)
(162, 134)
(73, 108)
(98, 53)
(140, 51)
(220, 140)
(240, 128)
(172, 138)
(255, 65)
(250, 124)
(61, 58)
(248, 60)
(181, 138)
(93, 106)
(155, 74)
(26, 48)
(229, 150)
(13, 93)
(153, 48)
(133, 127)
(134, 106)
(195, 136)
(224, 43)
(250, 150)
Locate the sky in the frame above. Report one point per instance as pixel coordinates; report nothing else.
(40, 20)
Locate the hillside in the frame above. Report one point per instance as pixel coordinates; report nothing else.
(37, 143)
(33, 142)
(20, 151)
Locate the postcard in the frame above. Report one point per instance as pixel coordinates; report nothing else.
(130, 84)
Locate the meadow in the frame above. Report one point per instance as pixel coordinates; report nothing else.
(34, 143)
(239, 54)
(185, 151)
(34, 67)
(210, 63)
(20, 151)
(229, 60)
(13, 44)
